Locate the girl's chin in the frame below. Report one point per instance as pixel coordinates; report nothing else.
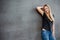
(46, 11)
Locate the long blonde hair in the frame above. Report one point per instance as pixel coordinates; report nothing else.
(50, 12)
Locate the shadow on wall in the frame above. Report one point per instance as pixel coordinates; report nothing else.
(39, 25)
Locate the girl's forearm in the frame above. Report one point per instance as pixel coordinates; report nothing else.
(53, 30)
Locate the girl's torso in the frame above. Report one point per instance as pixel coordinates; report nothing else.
(46, 22)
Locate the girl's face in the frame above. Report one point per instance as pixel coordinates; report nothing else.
(46, 8)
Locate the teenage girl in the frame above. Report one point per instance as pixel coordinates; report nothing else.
(48, 28)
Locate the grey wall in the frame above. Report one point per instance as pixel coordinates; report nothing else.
(20, 21)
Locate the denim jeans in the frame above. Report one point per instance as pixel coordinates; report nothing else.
(47, 35)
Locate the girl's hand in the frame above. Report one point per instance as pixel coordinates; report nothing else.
(53, 34)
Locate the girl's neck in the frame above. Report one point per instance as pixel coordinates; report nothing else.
(48, 15)
(47, 12)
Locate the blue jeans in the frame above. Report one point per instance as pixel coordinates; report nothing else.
(47, 35)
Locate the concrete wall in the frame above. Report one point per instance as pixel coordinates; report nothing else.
(20, 21)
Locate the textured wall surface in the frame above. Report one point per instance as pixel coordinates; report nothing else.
(20, 21)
